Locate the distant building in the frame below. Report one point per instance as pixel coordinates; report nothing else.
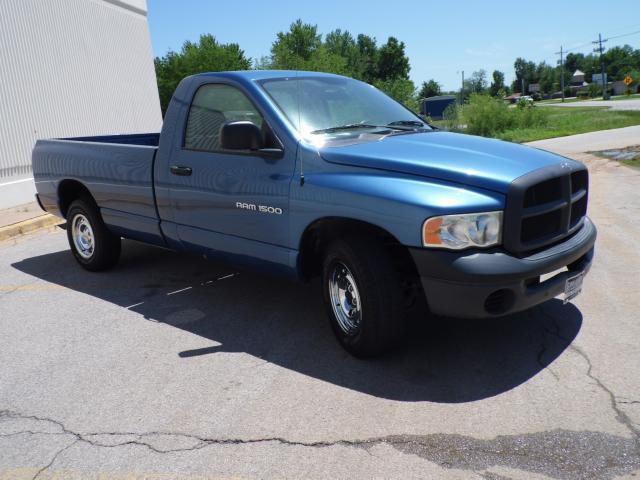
(619, 88)
(577, 79)
(70, 68)
(534, 87)
(434, 107)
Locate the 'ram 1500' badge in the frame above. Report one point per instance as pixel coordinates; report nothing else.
(259, 208)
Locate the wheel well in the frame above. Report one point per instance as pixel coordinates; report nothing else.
(317, 237)
(70, 190)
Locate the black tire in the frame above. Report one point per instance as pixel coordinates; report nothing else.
(381, 317)
(105, 250)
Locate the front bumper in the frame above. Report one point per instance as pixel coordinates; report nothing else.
(494, 283)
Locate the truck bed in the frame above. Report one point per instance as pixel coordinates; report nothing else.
(116, 169)
(147, 139)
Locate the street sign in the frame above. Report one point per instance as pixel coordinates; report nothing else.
(597, 78)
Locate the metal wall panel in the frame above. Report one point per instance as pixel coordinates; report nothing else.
(71, 68)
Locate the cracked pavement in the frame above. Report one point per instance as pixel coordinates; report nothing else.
(173, 367)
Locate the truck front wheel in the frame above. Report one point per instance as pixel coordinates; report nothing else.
(363, 297)
(92, 244)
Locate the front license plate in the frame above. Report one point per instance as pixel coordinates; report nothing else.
(573, 287)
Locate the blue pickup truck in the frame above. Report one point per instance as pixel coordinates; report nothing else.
(305, 174)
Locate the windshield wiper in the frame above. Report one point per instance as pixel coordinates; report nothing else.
(407, 123)
(352, 126)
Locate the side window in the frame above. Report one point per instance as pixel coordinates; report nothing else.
(213, 106)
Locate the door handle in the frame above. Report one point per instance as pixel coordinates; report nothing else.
(180, 170)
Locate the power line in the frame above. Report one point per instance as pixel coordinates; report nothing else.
(625, 29)
(573, 49)
(582, 45)
(624, 35)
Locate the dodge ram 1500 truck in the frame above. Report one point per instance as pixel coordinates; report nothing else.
(307, 174)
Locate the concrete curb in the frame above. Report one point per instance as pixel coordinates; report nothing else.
(31, 225)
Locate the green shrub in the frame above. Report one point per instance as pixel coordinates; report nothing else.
(489, 117)
(451, 117)
(594, 90)
(486, 116)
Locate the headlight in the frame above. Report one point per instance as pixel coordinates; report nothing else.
(456, 232)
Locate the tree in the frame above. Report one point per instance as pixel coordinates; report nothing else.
(342, 44)
(297, 45)
(430, 88)
(477, 83)
(301, 48)
(294, 48)
(401, 89)
(619, 60)
(366, 68)
(549, 78)
(525, 73)
(207, 55)
(392, 61)
(573, 62)
(497, 84)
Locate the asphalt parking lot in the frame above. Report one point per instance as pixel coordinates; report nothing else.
(169, 366)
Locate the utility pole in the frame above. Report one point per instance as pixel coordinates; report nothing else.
(600, 49)
(461, 97)
(561, 71)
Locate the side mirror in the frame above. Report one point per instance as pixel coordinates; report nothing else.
(240, 135)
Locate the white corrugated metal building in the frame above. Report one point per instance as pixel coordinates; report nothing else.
(70, 68)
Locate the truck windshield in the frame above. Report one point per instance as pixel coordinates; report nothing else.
(338, 106)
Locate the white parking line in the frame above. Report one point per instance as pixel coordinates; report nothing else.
(227, 276)
(178, 291)
(30, 179)
(134, 305)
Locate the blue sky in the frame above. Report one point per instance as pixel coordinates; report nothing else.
(442, 38)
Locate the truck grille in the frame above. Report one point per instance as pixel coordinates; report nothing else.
(545, 207)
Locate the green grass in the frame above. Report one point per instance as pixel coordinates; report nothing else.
(634, 162)
(635, 96)
(571, 121)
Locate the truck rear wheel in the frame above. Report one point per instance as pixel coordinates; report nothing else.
(94, 247)
(363, 297)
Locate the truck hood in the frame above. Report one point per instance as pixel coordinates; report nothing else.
(465, 159)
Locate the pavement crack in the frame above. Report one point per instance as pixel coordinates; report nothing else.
(543, 349)
(620, 416)
(53, 459)
(143, 439)
(9, 291)
(558, 453)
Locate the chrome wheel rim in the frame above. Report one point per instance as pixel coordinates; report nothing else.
(82, 234)
(345, 299)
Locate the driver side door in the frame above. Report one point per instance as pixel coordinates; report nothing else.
(227, 199)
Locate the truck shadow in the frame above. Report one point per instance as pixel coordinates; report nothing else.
(444, 360)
